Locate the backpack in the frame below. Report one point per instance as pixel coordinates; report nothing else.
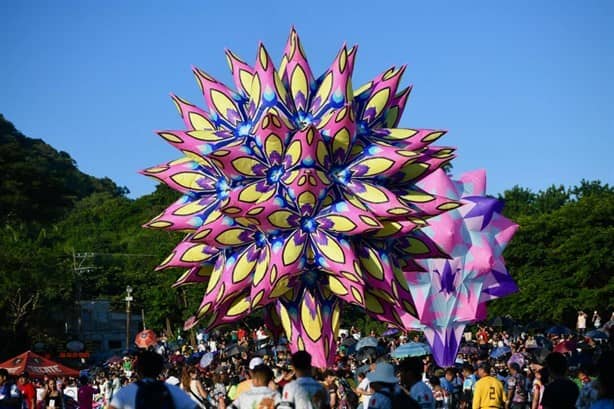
(153, 395)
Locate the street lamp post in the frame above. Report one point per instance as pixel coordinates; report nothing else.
(128, 300)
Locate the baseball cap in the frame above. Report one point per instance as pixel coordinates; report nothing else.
(255, 362)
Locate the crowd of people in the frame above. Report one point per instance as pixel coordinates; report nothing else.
(495, 368)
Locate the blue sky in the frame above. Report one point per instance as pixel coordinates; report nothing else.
(525, 88)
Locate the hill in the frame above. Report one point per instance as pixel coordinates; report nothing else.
(39, 183)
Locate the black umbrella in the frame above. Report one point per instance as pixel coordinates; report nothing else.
(234, 349)
(349, 341)
(559, 330)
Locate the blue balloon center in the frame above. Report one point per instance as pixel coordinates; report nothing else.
(222, 189)
(260, 239)
(274, 174)
(308, 224)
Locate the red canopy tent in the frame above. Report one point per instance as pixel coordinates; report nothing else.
(36, 366)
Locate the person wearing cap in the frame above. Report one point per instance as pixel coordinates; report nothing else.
(304, 392)
(27, 390)
(517, 394)
(488, 392)
(247, 384)
(260, 395)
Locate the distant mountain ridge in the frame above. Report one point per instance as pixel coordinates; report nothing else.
(40, 183)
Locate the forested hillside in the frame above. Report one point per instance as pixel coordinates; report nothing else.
(50, 211)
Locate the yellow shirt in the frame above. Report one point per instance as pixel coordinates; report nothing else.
(244, 387)
(488, 394)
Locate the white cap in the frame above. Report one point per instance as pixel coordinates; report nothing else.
(255, 362)
(172, 380)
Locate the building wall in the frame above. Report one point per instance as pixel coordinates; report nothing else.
(103, 330)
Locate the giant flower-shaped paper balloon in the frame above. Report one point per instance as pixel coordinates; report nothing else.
(300, 194)
(452, 292)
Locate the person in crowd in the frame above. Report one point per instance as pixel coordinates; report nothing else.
(561, 392)
(469, 380)
(605, 382)
(330, 378)
(539, 384)
(452, 385)
(517, 393)
(195, 388)
(581, 322)
(52, 396)
(588, 389)
(10, 397)
(260, 395)
(247, 383)
(488, 392)
(410, 373)
(149, 392)
(85, 394)
(440, 394)
(387, 393)
(596, 319)
(28, 392)
(304, 392)
(363, 390)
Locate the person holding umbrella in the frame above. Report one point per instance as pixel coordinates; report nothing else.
(517, 394)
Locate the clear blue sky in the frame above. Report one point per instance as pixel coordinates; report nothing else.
(525, 88)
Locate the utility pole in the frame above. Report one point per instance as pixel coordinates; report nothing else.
(128, 300)
(78, 261)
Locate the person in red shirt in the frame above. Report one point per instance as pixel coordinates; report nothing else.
(27, 390)
(241, 334)
(86, 393)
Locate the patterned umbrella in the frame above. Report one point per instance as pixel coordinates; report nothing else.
(469, 349)
(390, 332)
(145, 339)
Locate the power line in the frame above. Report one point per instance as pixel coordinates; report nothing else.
(90, 254)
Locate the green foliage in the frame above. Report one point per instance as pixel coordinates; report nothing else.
(561, 256)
